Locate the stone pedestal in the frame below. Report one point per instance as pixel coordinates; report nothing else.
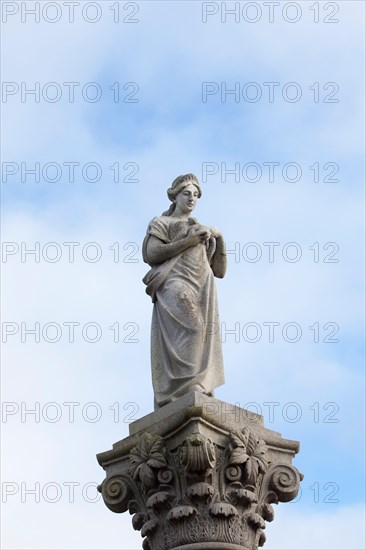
(200, 474)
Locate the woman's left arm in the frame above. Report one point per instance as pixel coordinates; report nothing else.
(218, 263)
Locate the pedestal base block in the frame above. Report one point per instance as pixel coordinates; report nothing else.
(200, 474)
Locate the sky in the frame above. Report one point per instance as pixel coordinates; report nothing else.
(103, 105)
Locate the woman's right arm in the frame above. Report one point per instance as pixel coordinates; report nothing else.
(158, 251)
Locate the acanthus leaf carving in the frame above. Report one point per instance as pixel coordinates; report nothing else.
(149, 527)
(199, 491)
(147, 456)
(267, 512)
(138, 521)
(223, 509)
(181, 512)
(158, 499)
(249, 451)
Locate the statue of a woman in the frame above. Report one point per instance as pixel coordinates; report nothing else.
(186, 351)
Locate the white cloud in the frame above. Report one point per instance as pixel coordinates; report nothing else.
(183, 52)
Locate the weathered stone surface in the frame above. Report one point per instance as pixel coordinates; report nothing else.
(200, 474)
(185, 257)
(208, 408)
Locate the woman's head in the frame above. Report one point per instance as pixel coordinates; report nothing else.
(178, 185)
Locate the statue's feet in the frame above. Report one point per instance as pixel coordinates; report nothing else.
(200, 389)
(195, 387)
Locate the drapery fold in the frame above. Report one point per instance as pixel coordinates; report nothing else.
(186, 351)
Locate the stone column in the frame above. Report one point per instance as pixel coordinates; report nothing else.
(200, 474)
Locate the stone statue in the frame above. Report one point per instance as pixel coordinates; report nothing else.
(186, 351)
(198, 473)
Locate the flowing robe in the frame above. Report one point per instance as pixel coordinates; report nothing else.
(186, 351)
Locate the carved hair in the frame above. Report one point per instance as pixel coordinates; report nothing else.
(177, 186)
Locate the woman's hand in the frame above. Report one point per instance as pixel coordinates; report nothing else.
(199, 234)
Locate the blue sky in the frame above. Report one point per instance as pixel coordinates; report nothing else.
(168, 55)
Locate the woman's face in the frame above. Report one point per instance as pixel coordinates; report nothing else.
(186, 200)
